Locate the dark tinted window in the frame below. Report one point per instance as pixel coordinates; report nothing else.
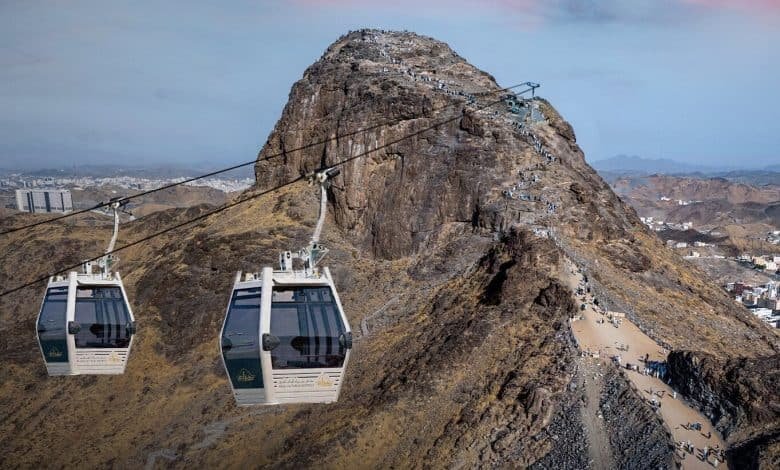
(308, 324)
(51, 325)
(103, 316)
(240, 339)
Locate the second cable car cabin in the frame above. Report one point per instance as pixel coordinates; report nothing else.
(85, 325)
(285, 338)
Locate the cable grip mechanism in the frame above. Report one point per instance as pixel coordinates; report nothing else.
(116, 204)
(314, 252)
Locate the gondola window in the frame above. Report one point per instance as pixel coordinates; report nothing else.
(103, 318)
(307, 323)
(51, 325)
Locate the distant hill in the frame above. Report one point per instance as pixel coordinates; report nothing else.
(764, 177)
(729, 205)
(615, 168)
(636, 164)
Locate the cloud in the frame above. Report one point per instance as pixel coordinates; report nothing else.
(580, 11)
(753, 6)
(630, 11)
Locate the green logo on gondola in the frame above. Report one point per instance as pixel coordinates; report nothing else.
(54, 352)
(245, 376)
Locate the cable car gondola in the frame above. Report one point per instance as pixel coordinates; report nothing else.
(285, 338)
(85, 325)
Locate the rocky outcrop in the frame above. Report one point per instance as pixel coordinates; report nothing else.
(571, 440)
(740, 395)
(637, 434)
(393, 199)
(762, 453)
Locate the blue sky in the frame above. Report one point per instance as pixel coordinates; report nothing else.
(148, 83)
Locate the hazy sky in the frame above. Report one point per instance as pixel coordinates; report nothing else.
(149, 82)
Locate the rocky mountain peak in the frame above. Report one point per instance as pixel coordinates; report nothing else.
(456, 148)
(438, 159)
(385, 45)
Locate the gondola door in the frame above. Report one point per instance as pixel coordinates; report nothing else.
(240, 343)
(100, 327)
(305, 339)
(51, 327)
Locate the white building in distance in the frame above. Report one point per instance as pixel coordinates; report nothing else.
(44, 200)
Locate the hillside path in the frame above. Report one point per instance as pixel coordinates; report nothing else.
(595, 336)
(599, 450)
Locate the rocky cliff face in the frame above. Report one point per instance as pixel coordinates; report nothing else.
(740, 396)
(481, 170)
(448, 247)
(399, 196)
(635, 429)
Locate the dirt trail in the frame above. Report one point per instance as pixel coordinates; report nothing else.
(595, 334)
(599, 449)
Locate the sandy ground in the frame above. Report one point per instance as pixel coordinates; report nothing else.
(599, 449)
(609, 341)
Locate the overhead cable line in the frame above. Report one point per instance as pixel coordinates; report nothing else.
(125, 199)
(250, 197)
(155, 235)
(241, 165)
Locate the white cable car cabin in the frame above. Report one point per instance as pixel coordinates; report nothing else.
(285, 338)
(85, 325)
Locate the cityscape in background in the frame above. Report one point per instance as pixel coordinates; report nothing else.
(724, 223)
(61, 190)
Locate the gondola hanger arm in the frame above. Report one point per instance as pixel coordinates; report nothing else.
(314, 252)
(116, 204)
